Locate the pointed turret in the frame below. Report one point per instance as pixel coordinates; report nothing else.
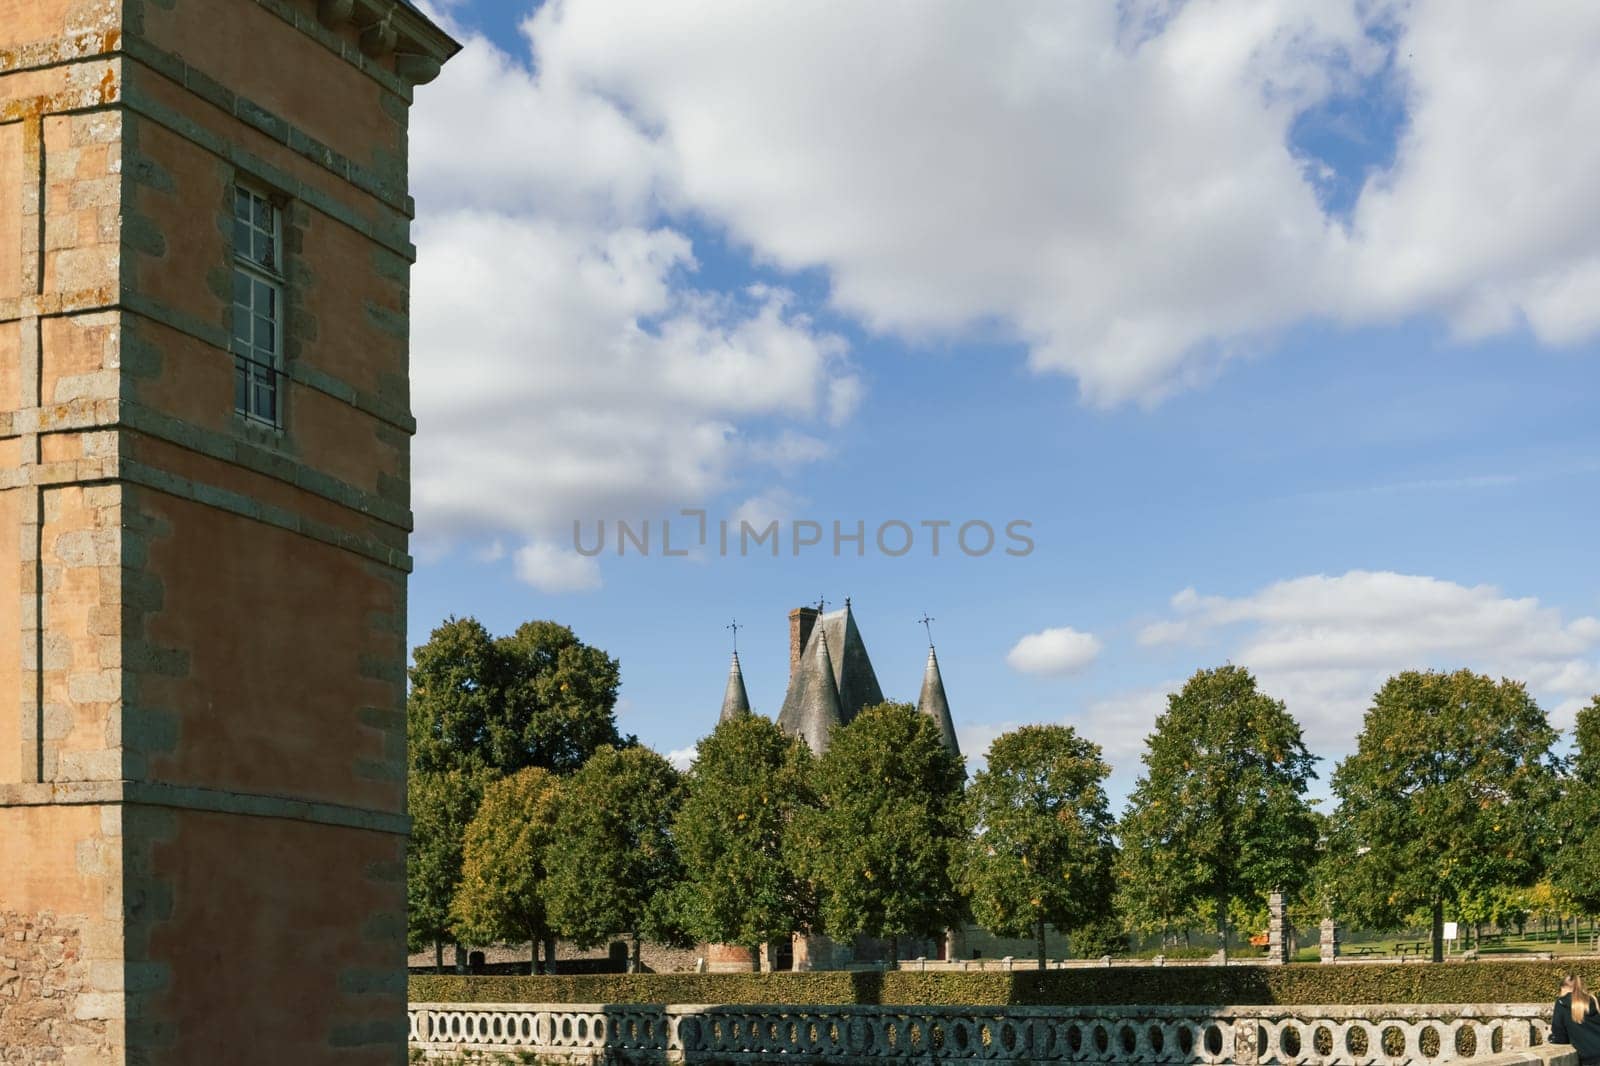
(857, 681)
(935, 705)
(812, 708)
(736, 701)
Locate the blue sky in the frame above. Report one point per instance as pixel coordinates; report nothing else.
(1296, 312)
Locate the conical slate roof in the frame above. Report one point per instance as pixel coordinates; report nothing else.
(811, 710)
(736, 701)
(935, 705)
(853, 677)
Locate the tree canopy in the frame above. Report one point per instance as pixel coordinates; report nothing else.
(442, 804)
(1220, 812)
(538, 697)
(612, 865)
(1446, 797)
(879, 845)
(1040, 849)
(1575, 868)
(746, 785)
(502, 892)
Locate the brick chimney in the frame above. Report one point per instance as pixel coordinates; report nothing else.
(801, 619)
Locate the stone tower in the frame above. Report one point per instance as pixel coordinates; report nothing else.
(204, 482)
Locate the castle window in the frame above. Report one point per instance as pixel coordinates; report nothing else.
(257, 306)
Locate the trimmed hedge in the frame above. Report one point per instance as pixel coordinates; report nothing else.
(1307, 983)
(814, 987)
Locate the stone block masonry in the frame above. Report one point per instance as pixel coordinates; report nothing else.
(202, 607)
(48, 996)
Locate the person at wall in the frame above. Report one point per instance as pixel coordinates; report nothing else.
(1576, 1020)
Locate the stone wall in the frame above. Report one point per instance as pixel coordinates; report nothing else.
(47, 997)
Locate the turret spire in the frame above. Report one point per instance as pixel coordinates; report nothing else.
(935, 705)
(735, 701)
(814, 711)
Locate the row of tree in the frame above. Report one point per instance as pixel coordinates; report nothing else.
(533, 818)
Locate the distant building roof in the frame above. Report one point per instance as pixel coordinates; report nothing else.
(735, 701)
(853, 680)
(811, 709)
(935, 705)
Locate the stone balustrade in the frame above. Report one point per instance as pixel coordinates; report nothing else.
(1393, 1035)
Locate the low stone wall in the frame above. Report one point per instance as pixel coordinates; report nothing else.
(1378, 1035)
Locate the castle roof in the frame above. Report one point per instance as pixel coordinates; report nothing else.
(811, 709)
(853, 680)
(735, 701)
(935, 705)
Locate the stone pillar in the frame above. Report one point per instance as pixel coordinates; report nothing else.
(1329, 941)
(955, 944)
(1280, 941)
(1245, 1039)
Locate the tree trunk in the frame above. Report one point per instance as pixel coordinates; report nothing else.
(461, 959)
(894, 952)
(1438, 930)
(549, 954)
(1222, 925)
(633, 956)
(533, 957)
(1042, 960)
(755, 958)
(438, 956)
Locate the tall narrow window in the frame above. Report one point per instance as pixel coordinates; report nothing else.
(257, 305)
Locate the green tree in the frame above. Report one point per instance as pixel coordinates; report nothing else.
(442, 804)
(1444, 798)
(1040, 849)
(501, 898)
(538, 697)
(747, 783)
(1221, 808)
(1575, 866)
(879, 846)
(612, 865)
(1157, 889)
(454, 679)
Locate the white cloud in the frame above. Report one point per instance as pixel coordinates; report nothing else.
(775, 505)
(1112, 186)
(1115, 185)
(1054, 652)
(1324, 644)
(1489, 213)
(552, 569)
(568, 365)
(1120, 723)
(682, 758)
(975, 738)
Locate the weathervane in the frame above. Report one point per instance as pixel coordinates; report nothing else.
(927, 625)
(734, 625)
(822, 605)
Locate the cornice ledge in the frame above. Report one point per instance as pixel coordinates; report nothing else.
(393, 27)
